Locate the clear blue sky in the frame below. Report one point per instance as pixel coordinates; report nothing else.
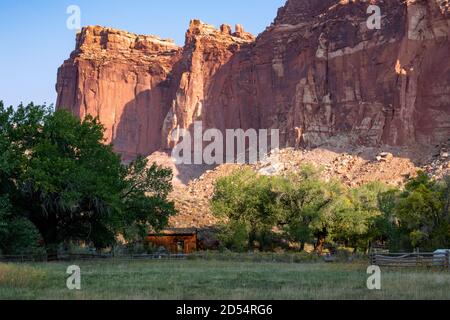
(35, 40)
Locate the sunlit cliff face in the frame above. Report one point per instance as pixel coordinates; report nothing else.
(317, 73)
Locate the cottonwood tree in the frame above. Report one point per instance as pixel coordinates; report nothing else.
(422, 210)
(72, 186)
(302, 201)
(246, 201)
(17, 234)
(357, 224)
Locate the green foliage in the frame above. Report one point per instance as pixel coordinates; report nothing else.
(304, 202)
(17, 234)
(422, 210)
(144, 198)
(234, 236)
(358, 219)
(303, 208)
(247, 200)
(387, 225)
(22, 237)
(319, 210)
(57, 173)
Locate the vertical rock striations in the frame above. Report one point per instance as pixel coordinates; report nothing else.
(317, 73)
(123, 79)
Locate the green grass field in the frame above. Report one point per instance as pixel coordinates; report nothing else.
(217, 280)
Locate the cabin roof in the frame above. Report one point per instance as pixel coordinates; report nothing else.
(175, 232)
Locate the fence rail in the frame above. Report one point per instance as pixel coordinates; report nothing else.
(382, 259)
(216, 256)
(91, 257)
(164, 256)
(23, 258)
(438, 260)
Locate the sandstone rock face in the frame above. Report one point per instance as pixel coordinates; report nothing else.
(122, 79)
(318, 73)
(142, 87)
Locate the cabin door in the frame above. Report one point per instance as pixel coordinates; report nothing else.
(180, 246)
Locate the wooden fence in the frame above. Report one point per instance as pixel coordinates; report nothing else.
(237, 257)
(417, 259)
(91, 257)
(81, 257)
(23, 258)
(382, 259)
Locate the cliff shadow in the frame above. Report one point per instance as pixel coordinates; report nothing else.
(139, 133)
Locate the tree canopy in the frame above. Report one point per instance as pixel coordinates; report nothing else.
(423, 212)
(58, 175)
(305, 209)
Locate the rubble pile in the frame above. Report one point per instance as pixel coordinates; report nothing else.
(353, 167)
(440, 166)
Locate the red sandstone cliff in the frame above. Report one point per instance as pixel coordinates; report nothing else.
(317, 73)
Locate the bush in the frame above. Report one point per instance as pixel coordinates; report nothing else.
(234, 236)
(20, 236)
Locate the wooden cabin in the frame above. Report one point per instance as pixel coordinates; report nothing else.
(178, 241)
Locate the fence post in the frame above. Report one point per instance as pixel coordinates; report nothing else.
(447, 260)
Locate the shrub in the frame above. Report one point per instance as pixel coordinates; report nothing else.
(234, 236)
(20, 236)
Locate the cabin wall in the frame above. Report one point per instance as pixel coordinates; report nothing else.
(175, 243)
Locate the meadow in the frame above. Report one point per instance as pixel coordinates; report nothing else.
(218, 280)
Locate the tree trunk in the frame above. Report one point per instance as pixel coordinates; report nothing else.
(251, 240)
(321, 237)
(52, 252)
(447, 206)
(50, 236)
(302, 246)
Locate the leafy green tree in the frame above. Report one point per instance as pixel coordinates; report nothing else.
(388, 225)
(305, 207)
(234, 236)
(329, 212)
(314, 209)
(71, 185)
(358, 222)
(300, 201)
(422, 210)
(247, 201)
(17, 234)
(144, 199)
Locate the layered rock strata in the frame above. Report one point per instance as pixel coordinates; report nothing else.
(318, 74)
